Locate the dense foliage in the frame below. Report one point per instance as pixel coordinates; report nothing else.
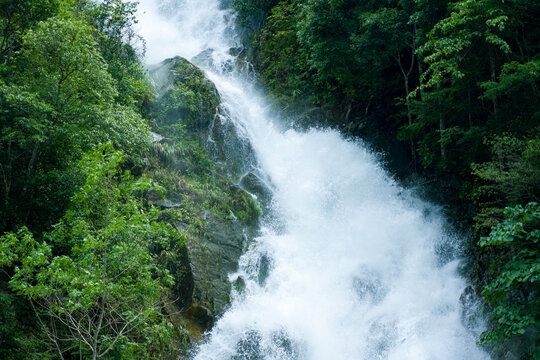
(103, 292)
(456, 82)
(82, 273)
(514, 289)
(93, 255)
(59, 98)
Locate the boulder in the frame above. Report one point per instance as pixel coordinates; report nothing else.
(184, 96)
(199, 157)
(212, 257)
(255, 185)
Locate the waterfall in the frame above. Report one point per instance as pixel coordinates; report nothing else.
(348, 265)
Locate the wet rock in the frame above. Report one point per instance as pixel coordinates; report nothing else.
(169, 205)
(245, 207)
(253, 184)
(193, 143)
(212, 258)
(264, 268)
(200, 317)
(472, 309)
(204, 58)
(239, 284)
(185, 96)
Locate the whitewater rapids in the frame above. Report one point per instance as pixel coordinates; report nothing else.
(348, 265)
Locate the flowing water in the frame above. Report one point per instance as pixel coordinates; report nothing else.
(348, 265)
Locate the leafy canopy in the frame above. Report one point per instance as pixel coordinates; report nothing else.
(95, 285)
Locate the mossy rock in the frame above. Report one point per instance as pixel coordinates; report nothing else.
(244, 206)
(212, 257)
(198, 159)
(185, 95)
(254, 185)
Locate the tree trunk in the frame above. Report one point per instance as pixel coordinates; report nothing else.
(441, 131)
(443, 146)
(420, 72)
(32, 160)
(7, 176)
(348, 113)
(406, 75)
(409, 118)
(494, 78)
(469, 107)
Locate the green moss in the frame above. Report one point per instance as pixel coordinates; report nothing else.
(204, 203)
(187, 97)
(245, 207)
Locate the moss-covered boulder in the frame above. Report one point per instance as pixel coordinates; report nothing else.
(212, 257)
(197, 159)
(185, 95)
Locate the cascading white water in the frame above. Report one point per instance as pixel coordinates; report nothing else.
(355, 272)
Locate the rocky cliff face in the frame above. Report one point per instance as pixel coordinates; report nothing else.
(195, 157)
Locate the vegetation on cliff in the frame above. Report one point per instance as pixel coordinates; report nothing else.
(80, 275)
(96, 213)
(456, 82)
(194, 161)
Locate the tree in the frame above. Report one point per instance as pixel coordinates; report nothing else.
(512, 176)
(388, 34)
(94, 284)
(471, 24)
(282, 61)
(60, 103)
(252, 12)
(16, 17)
(513, 292)
(323, 31)
(121, 48)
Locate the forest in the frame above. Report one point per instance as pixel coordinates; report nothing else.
(95, 211)
(79, 275)
(88, 267)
